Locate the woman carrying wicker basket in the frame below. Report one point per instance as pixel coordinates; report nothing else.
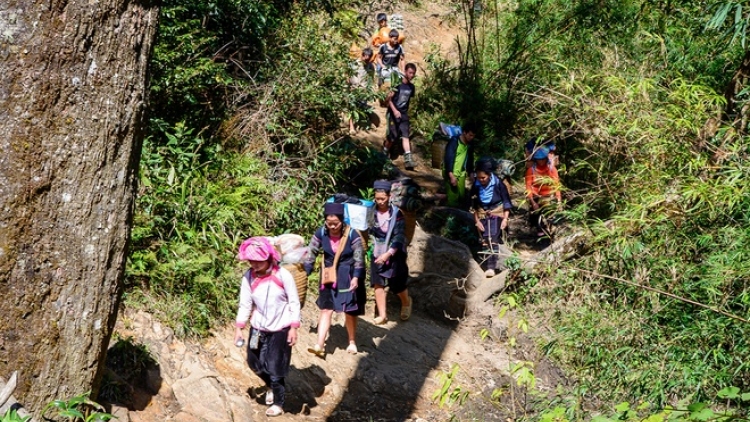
(268, 297)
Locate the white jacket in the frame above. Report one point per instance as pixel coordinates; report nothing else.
(269, 305)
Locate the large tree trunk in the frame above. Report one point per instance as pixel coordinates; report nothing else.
(72, 92)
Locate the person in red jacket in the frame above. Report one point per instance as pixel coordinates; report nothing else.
(542, 184)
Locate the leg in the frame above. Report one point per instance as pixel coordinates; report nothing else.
(324, 324)
(380, 302)
(406, 145)
(351, 327)
(278, 386)
(405, 299)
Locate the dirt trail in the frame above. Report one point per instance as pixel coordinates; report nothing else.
(400, 366)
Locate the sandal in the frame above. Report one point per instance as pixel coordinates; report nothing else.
(352, 349)
(406, 310)
(269, 397)
(380, 320)
(317, 351)
(274, 411)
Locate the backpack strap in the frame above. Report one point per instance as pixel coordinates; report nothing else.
(391, 223)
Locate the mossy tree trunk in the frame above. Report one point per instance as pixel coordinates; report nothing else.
(72, 93)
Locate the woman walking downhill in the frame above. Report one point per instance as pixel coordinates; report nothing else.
(542, 186)
(388, 267)
(343, 268)
(269, 298)
(491, 208)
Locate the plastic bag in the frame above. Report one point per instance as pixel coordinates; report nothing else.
(287, 242)
(295, 256)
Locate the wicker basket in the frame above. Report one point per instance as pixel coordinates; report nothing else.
(300, 278)
(437, 150)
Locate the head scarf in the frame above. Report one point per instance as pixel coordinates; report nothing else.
(258, 248)
(540, 154)
(333, 208)
(382, 185)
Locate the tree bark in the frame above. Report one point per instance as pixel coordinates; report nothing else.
(72, 92)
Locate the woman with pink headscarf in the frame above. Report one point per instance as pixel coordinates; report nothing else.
(269, 298)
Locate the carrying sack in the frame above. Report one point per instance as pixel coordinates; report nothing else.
(405, 195)
(505, 169)
(328, 274)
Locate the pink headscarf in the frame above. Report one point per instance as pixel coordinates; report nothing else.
(258, 248)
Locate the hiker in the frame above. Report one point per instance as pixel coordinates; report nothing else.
(268, 297)
(342, 269)
(542, 184)
(381, 37)
(397, 115)
(390, 57)
(532, 145)
(363, 78)
(491, 210)
(388, 266)
(458, 161)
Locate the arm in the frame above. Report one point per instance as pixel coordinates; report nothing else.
(401, 60)
(379, 58)
(398, 238)
(502, 192)
(245, 308)
(391, 106)
(314, 247)
(477, 206)
(359, 260)
(530, 188)
(555, 176)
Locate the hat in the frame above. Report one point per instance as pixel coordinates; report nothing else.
(540, 154)
(333, 208)
(258, 248)
(382, 185)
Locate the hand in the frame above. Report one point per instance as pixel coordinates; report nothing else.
(534, 205)
(354, 284)
(237, 334)
(480, 226)
(504, 224)
(291, 338)
(383, 258)
(397, 114)
(454, 181)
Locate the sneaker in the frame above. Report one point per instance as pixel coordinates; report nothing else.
(352, 349)
(269, 397)
(380, 320)
(489, 273)
(409, 161)
(406, 310)
(317, 351)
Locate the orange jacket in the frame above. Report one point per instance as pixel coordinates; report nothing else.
(542, 181)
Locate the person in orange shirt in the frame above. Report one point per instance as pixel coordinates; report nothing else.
(383, 34)
(542, 184)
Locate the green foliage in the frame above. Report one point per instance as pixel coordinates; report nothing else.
(632, 93)
(78, 408)
(448, 393)
(11, 415)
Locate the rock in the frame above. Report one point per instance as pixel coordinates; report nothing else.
(199, 395)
